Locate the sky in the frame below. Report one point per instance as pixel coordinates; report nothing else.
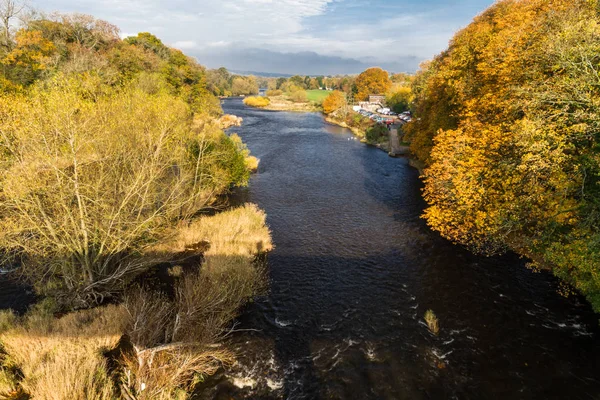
(306, 37)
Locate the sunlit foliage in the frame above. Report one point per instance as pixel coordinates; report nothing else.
(104, 143)
(334, 102)
(372, 81)
(507, 122)
(257, 101)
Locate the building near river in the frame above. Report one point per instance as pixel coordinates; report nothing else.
(377, 99)
(375, 102)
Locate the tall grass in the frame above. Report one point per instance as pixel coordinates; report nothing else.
(175, 342)
(182, 335)
(61, 358)
(239, 231)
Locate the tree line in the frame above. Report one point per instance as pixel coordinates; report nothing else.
(508, 130)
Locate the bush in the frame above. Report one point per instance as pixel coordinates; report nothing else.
(257, 101)
(274, 92)
(299, 96)
(376, 133)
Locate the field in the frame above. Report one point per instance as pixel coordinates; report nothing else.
(317, 95)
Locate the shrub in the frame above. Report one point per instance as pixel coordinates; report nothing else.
(274, 92)
(257, 101)
(252, 163)
(376, 133)
(299, 96)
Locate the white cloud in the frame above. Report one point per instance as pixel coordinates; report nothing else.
(185, 44)
(206, 21)
(282, 26)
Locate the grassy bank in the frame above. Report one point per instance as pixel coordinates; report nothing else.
(152, 345)
(300, 101)
(282, 103)
(317, 95)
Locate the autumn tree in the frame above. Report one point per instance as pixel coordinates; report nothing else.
(244, 85)
(507, 122)
(372, 81)
(9, 10)
(105, 143)
(298, 81)
(91, 176)
(400, 98)
(334, 102)
(29, 57)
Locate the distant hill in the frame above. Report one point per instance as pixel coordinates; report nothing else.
(261, 74)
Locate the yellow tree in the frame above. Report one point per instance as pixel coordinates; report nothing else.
(372, 81)
(334, 102)
(507, 121)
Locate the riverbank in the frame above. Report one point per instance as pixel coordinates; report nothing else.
(358, 131)
(162, 339)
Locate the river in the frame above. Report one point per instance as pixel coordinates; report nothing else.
(354, 270)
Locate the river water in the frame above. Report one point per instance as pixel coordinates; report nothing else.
(354, 271)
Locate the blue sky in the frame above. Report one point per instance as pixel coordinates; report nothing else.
(291, 36)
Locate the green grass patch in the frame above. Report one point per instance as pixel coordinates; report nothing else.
(317, 95)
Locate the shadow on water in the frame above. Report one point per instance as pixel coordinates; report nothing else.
(14, 295)
(355, 269)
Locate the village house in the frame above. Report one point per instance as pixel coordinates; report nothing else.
(375, 102)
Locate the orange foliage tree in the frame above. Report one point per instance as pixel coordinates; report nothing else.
(507, 122)
(334, 102)
(30, 55)
(372, 81)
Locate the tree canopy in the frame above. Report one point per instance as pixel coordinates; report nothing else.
(372, 81)
(334, 102)
(105, 144)
(507, 125)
